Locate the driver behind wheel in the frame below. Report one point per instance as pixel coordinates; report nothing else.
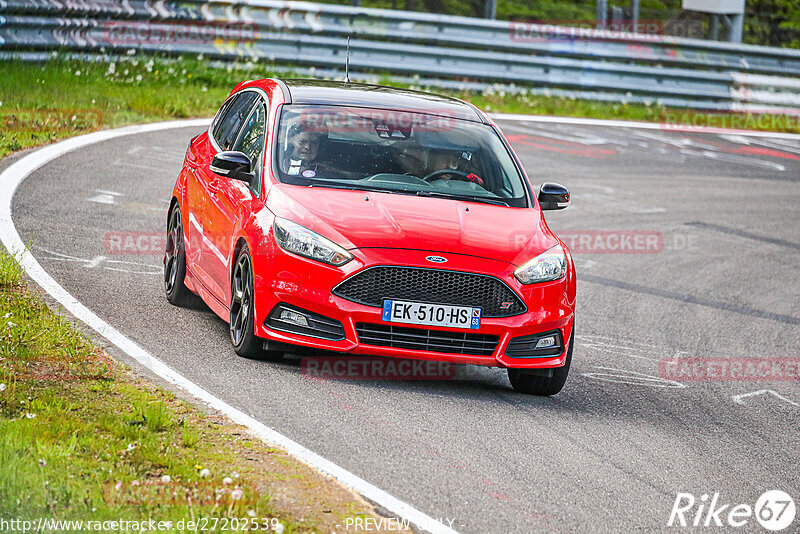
(305, 143)
(440, 159)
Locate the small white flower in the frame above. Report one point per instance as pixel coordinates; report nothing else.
(74, 117)
(77, 73)
(236, 494)
(251, 513)
(11, 325)
(131, 52)
(2, 387)
(227, 480)
(138, 77)
(93, 101)
(30, 415)
(205, 89)
(279, 528)
(235, 474)
(131, 446)
(42, 462)
(6, 316)
(117, 486)
(205, 473)
(166, 479)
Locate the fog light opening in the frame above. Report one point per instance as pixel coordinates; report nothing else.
(288, 318)
(293, 317)
(545, 343)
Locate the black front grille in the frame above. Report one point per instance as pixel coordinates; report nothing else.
(371, 286)
(386, 335)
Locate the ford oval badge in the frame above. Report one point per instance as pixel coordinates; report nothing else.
(436, 259)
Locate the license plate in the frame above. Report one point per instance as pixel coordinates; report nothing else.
(399, 311)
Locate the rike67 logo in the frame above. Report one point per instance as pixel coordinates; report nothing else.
(774, 510)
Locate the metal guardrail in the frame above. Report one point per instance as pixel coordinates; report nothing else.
(445, 50)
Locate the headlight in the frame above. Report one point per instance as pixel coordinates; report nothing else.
(301, 241)
(545, 267)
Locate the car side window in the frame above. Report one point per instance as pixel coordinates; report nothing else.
(251, 142)
(231, 118)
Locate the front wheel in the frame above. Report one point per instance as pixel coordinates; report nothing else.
(527, 381)
(242, 318)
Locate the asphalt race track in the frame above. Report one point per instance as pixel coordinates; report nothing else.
(715, 274)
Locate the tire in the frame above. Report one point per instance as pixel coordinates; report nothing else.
(175, 261)
(524, 381)
(242, 313)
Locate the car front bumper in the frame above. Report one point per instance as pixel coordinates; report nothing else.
(306, 284)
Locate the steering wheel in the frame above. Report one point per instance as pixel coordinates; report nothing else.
(464, 176)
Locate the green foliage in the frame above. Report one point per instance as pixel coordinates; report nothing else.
(10, 273)
(83, 446)
(772, 23)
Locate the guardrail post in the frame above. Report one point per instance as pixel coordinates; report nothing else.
(635, 15)
(714, 27)
(616, 17)
(736, 28)
(602, 14)
(490, 9)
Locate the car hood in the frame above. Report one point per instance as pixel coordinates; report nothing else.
(360, 219)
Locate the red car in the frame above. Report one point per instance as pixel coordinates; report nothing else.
(371, 220)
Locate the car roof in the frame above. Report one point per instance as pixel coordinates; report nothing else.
(335, 93)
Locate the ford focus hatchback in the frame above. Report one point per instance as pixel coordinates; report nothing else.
(371, 220)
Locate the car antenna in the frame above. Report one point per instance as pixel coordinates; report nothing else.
(347, 62)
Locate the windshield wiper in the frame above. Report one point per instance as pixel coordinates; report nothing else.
(484, 200)
(355, 188)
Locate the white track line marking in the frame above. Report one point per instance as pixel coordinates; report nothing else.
(10, 180)
(637, 124)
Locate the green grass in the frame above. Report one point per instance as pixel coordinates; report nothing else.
(81, 438)
(41, 103)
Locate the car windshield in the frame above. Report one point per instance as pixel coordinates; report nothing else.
(396, 152)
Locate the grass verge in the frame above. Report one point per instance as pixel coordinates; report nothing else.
(83, 439)
(40, 103)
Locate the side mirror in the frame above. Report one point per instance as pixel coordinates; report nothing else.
(553, 196)
(234, 165)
